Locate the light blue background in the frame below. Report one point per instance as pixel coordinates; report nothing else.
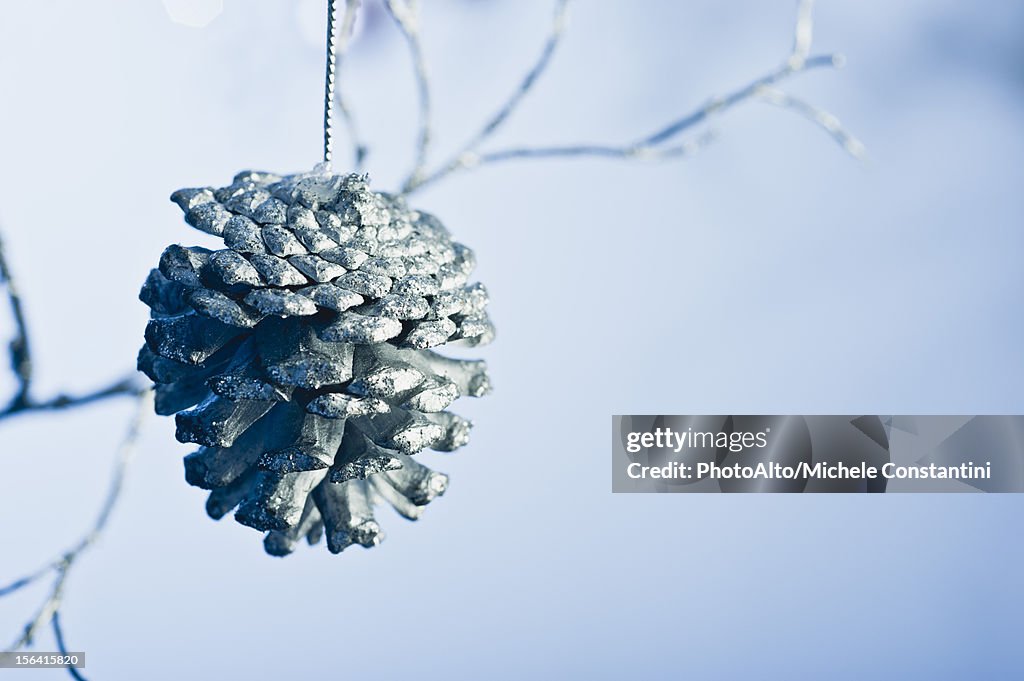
(769, 274)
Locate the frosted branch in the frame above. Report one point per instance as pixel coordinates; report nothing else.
(803, 34)
(19, 349)
(61, 566)
(125, 387)
(467, 154)
(648, 153)
(406, 14)
(823, 119)
(661, 143)
(58, 635)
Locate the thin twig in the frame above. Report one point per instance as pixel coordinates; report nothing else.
(467, 156)
(58, 634)
(30, 578)
(21, 363)
(687, 148)
(121, 388)
(719, 105)
(62, 565)
(406, 14)
(652, 146)
(359, 148)
(46, 610)
(20, 350)
(803, 34)
(823, 119)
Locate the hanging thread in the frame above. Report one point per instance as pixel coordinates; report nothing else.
(332, 36)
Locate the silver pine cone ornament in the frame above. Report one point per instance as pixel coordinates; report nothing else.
(300, 357)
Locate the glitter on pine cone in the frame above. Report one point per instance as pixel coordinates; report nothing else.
(298, 357)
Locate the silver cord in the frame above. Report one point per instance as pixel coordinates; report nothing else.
(329, 83)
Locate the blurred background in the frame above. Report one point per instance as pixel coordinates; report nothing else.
(770, 273)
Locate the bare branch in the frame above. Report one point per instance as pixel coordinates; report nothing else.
(719, 105)
(120, 388)
(359, 147)
(58, 634)
(21, 363)
(653, 145)
(803, 33)
(823, 119)
(647, 153)
(459, 159)
(406, 14)
(46, 610)
(30, 578)
(61, 566)
(20, 350)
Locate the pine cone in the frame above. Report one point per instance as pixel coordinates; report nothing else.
(298, 357)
